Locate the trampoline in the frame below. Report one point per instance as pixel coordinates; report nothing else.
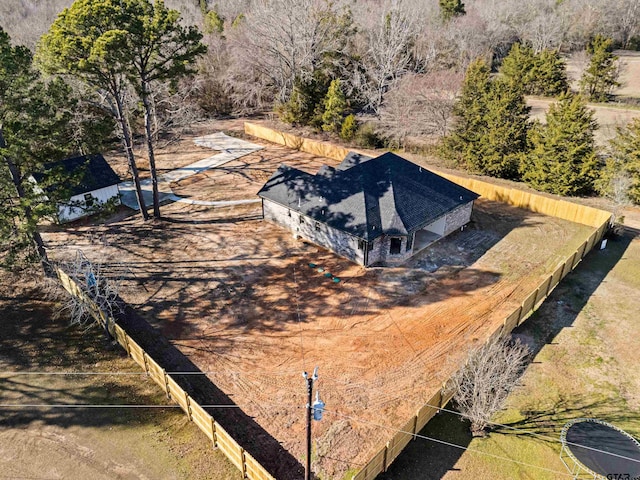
(596, 449)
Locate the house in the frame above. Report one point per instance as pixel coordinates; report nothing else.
(373, 211)
(92, 182)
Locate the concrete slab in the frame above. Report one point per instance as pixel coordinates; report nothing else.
(230, 148)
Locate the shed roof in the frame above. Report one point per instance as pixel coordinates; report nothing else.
(371, 197)
(87, 172)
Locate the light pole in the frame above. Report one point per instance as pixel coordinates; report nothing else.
(317, 408)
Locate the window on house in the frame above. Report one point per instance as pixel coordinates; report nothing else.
(396, 245)
(88, 199)
(409, 242)
(362, 244)
(288, 213)
(317, 226)
(301, 219)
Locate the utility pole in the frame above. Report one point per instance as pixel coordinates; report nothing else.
(317, 408)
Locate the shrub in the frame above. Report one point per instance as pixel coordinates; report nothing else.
(349, 128)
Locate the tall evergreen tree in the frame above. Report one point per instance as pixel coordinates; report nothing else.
(87, 41)
(35, 127)
(542, 73)
(492, 121)
(625, 151)
(157, 49)
(563, 157)
(601, 76)
(335, 107)
(451, 8)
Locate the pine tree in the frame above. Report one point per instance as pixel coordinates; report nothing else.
(625, 152)
(550, 74)
(601, 76)
(518, 65)
(35, 127)
(563, 157)
(451, 8)
(335, 107)
(491, 128)
(542, 73)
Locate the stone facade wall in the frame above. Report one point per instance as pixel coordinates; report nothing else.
(379, 254)
(335, 240)
(458, 217)
(347, 245)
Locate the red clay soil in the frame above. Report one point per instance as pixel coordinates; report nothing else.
(236, 296)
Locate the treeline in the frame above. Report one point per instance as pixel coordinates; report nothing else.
(377, 73)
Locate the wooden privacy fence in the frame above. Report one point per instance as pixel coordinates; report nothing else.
(518, 198)
(598, 219)
(219, 438)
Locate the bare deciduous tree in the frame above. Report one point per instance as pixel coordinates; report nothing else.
(387, 43)
(420, 105)
(95, 285)
(483, 384)
(283, 41)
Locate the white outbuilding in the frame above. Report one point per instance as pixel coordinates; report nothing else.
(93, 183)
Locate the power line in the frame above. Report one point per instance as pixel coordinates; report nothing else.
(443, 442)
(98, 405)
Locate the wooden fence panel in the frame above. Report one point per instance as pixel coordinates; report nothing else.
(374, 467)
(512, 320)
(556, 277)
(579, 254)
(591, 242)
(528, 304)
(202, 419)
(177, 394)
(542, 290)
(399, 441)
(567, 266)
(428, 411)
(229, 446)
(137, 353)
(254, 470)
(156, 372)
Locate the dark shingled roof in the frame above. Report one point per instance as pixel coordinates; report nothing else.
(384, 195)
(91, 172)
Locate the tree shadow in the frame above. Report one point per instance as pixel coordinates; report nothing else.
(426, 459)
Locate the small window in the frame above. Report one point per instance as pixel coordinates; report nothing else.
(88, 199)
(396, 245)
(288, 213)
(409, 242)
(317, 226)
(301, 219)
(362, 244)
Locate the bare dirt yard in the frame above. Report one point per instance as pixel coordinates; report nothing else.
(236, 295)
(100, 443)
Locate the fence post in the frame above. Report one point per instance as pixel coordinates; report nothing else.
(126, 344)
(146, 364)
(384, 458)
(188, 400)
(166, 383)
(244, 463)
(214, 436)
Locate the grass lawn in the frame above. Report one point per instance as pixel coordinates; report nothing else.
(585, 342)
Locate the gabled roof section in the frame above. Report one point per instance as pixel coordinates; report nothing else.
(89, 172)
(384, 195)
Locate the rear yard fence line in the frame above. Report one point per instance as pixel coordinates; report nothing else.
(218, 436)
(593, 217)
